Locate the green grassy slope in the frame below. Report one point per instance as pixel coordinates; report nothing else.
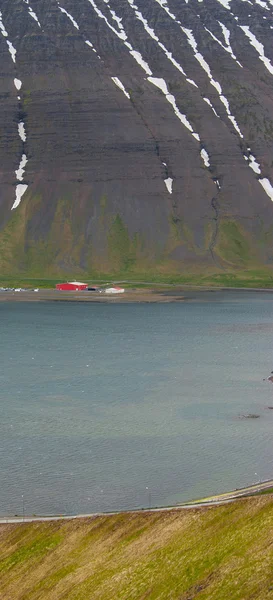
(238, 258)
(211, 554)
(259, 278)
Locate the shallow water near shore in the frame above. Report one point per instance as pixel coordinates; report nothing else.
(118, 406)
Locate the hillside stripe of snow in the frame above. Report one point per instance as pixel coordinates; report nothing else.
(2, 27)
(164, 5)
(4, 32)
(153, 35)
(207, 100)
(68, 15)
(227, 47)
(258, 47)
(263, 4)
(158, 82)
(169, 184)
(254, 165)
(199, 57)
(120, 33)
(75, 24)
(142, 63)
(22, 131)
(120, 85)
(93, 48)
(205, 157)
(225, 3)
(21, 169)
(169, 55)
(32, 13)
(18, 84)
(12, 51)
(20, 190)
(267, 187)
(161, 84)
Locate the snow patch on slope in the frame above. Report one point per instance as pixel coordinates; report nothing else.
(69, 16)
(169, 184)
(258, 47)
(12, 51)
(22, 131)
(226, 35)
(207, 100)
(205, 157)
(161, 84)
(32, 13)
(254, 165)
(158, 82)
(19, 173)
(205, 66)
(21, 169)
(267, 187)
(120, 85)
(21, 188)
(225, 3)
(18, 84)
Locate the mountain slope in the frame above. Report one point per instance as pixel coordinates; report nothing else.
(136, 135)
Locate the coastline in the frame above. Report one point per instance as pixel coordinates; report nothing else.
(130, 295)
(149, 295)
(218, 500)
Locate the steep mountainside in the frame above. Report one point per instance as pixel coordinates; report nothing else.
(136, 135)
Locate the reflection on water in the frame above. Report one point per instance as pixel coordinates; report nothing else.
(104, 405)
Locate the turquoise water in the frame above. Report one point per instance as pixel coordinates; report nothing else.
(115, 406)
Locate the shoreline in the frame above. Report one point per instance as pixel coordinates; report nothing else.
(252, 490)
(150, 295)
(51, 295)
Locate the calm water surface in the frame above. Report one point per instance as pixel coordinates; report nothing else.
(108, 406)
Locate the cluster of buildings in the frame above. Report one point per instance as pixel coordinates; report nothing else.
(78, 286)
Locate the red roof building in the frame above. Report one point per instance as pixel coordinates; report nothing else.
(75, 286)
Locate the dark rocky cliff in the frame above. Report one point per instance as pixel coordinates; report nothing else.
(135, 135)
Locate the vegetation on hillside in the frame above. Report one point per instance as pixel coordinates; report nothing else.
(242, 279)
(214, 553)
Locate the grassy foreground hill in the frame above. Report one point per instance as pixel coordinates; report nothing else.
(214, 553)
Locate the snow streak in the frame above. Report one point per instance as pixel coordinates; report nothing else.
(227, 47)
(32, 13)
(169, 184)
(205, 66)
(251, 160)
(161, 84)
(258, 47)
(20, 188)
(158, 82)
(120, 85)
(20, 172)
(153, 35)
(68, 15)
(103, 10)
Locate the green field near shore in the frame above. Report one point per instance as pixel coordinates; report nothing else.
(210, 554)
(240, 279)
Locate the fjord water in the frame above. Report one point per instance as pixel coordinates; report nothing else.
(115, 406)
